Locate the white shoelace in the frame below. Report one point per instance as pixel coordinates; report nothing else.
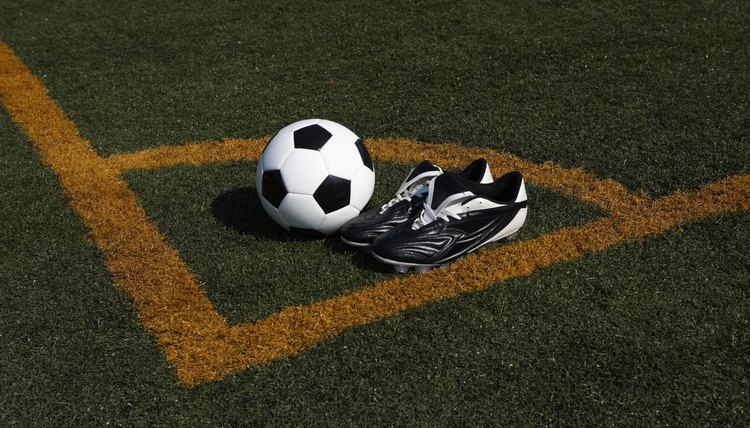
(446, 213)
(428, 216)
(407, 194)
(408, 189)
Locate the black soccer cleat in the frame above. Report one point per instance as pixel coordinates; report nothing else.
(457, 217)
(362, 230)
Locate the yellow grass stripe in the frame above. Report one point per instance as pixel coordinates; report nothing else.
(227, 150)
(168, 300)
(607, 194)
(294, 329)
(197, 341)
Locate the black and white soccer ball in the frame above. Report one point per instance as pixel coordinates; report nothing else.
(314, 176)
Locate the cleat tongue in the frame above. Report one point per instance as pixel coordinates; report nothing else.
(446, 192)
(423, 167)
(446, 188)
(415, 183)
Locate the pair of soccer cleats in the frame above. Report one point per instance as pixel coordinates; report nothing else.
(438, 217)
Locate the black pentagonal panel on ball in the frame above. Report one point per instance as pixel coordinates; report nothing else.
(333, 193)
(312, 137)
(273, 189)
(364, 154)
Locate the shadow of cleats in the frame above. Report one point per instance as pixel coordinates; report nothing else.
(457, 217)
(362, 230)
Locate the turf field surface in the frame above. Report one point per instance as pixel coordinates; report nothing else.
(615, 305)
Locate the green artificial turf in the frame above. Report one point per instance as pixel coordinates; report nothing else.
(653, 95)
(614, 88)
(251, 267)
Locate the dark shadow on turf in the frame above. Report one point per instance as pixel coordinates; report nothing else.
(359, 259)
(240, 209)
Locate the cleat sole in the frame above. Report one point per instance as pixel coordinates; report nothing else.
(406, 267)
(362, 246)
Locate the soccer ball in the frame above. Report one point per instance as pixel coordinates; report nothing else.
(314, 176)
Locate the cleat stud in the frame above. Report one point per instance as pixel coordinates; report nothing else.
(445, 266)
(401, 268)
(423, 269)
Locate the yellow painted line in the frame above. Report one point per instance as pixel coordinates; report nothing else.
(198, 342)
(607, 194)
(294, 329)
(165, 293)
(227, 150)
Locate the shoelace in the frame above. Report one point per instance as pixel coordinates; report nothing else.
(428, 215)
(408, 189)
(407, 194)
